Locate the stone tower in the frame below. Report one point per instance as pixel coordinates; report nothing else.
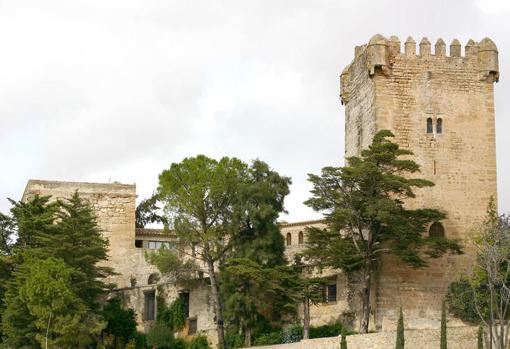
(441, 107)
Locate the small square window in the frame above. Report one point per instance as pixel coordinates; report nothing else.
(138, 243)
(192, 326)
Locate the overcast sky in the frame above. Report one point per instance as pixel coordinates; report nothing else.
(102, 90)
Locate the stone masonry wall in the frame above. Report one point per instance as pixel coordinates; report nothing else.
(408, 88)
(458, 338)
(114, 205)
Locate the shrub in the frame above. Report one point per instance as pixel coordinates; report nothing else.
(199, 342)
(160, 336)
(269, 338)
(179, 343)
(326, 331)
(234, 340)
(400, 331)
(292, 334)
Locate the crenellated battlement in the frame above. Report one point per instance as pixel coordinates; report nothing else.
(380, 54)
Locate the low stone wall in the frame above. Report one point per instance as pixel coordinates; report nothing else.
(458, 338)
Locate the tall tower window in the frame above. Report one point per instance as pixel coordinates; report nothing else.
(430, 127)
(289, 239)
(439, 126)
(300, 238)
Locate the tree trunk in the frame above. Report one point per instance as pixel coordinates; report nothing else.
(306, 319)
(247, 337)
(218, 312)
(365, 298)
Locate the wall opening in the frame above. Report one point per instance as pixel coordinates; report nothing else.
(439, 126)
(153, 279)
(436, 230)
(301, 238)
(184, 296)
(430, 127)
(138, 243)
(289, 239)
(150, 305)
(192, 326)
(331, 293)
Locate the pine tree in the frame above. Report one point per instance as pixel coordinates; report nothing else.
(480, 337)
(443, 343)
(66, 230)
(364, 207)
(343, 341)
(400, 331)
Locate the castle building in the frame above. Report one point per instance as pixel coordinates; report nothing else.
(438, 105)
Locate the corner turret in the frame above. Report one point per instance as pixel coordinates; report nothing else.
(488, 60)
(377, 51)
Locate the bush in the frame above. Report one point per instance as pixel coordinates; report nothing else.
(292, 334)
(160, 336)
(234, 340)
(179, 343)
(326, 331)
(199, 342)
(269, 338)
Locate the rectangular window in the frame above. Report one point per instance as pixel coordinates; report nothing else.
(192, 326)
(138, 243)
(150, 305)
(331, 293)
(156, 245)
(185, 299)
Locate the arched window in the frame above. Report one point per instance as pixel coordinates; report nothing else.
(439, 126)
(430, 128)
(300, 238)
(289, 239)
(436, 230)
(153, 279)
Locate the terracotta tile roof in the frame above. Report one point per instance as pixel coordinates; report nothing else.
(151, 232)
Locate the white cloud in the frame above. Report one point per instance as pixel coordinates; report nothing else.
(98, 90)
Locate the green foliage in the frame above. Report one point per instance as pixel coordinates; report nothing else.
(332, 330)
(343, 341)
(120, 322)
(234, 340)
(270, 338)
(400, 331)
(292, 334)
(480, 337)
(461, 300)
(65, 234)
(229, 209)
(364, 206)
(160, 336)
(199, 342)
(443, 340)
(147, 212)
(174, 315)
(56, 309)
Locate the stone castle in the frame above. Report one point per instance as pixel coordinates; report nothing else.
(440, 106)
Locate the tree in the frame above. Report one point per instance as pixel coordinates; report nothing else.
(66, 230)
(343, 341)
(61, 318)
(120, 322)
(400, 331)
(309, 290)
(147, 212)
(480, 337)
(199, 194)
(364, 207)
(219, 210)
(490, 281)
(444, 343)
(29, 219)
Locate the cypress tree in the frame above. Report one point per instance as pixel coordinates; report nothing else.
(343, 341)
(480, 337)
(444, 344)
(400, 331)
